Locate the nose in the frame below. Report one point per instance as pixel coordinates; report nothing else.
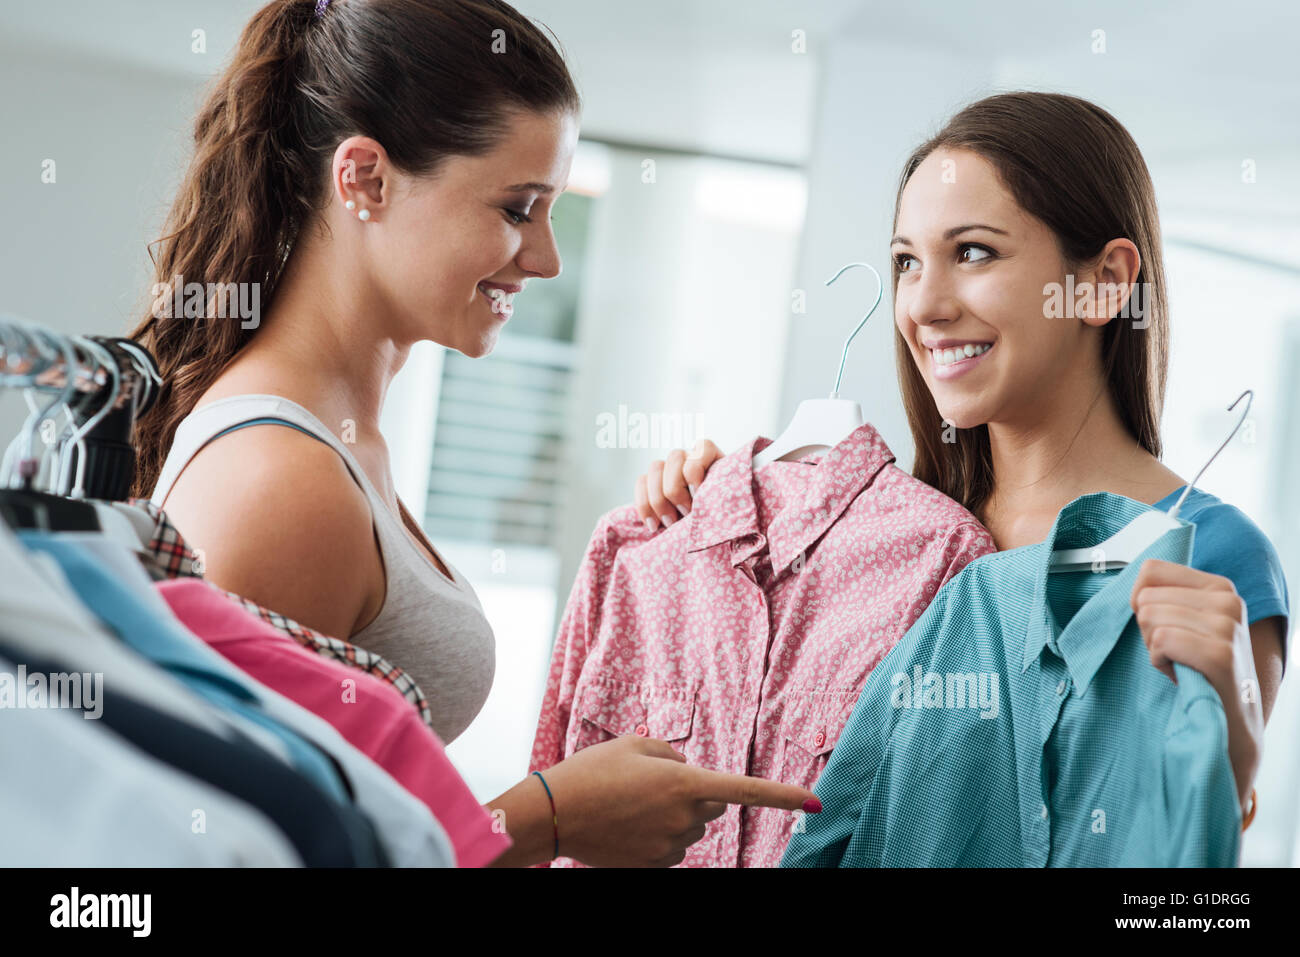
(931, 299)
(540, 257)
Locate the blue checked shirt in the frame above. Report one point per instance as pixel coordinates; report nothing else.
(991, 736)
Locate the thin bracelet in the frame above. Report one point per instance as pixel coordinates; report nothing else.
(555, 818)
(1251, 815)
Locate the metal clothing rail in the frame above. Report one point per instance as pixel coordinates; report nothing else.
(35, 357)
(97, 385)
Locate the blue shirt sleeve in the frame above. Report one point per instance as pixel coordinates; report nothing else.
(1228, 543)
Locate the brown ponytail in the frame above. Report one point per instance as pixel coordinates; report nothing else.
(425, 78)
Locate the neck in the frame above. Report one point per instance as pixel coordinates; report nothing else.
(322, 343)
(1074, 443)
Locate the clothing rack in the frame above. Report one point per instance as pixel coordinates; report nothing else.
(101, 384)
(33, 356)
(212, 700)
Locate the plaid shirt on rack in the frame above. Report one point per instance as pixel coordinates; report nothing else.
(170, 557)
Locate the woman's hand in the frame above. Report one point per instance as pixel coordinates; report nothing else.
(664, 491)
(1199, 620)
(635, 802)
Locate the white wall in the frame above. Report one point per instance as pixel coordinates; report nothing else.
(862, 139)
(73, 253)
(683, 314)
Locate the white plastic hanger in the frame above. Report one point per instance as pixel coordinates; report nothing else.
(821, 424)
(1140, 534)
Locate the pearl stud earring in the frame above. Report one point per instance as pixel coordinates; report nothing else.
(350, 205)
(363, 215)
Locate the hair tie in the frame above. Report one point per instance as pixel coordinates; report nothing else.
(320, 9)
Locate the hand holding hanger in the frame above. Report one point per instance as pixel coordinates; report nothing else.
(664, 493)
(1197, 619)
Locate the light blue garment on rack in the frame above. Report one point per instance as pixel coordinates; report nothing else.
(166, 643)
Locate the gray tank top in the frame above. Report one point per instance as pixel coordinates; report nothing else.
(431, 626)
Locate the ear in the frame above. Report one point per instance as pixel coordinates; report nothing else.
(1111, 278)
(360, 169)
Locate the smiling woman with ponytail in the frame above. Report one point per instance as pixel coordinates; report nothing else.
(305, 76)
(380, 172)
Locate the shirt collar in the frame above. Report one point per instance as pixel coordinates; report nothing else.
(167, 555)
(725, 510)
(1091, 635)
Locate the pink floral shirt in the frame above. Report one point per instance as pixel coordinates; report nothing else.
(743, 633)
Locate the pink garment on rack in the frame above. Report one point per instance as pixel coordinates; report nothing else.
(371, 714)
(743, 633)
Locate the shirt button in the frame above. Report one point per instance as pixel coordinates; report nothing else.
(1043, 812)
(819, 739)
(1060, 688)
(642, 730)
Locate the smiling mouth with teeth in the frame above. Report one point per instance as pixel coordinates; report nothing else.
(503, 303)
(947, 357)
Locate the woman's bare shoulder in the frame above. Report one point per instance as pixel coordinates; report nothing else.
(280, 520)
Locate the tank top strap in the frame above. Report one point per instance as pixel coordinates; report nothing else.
(215, 419)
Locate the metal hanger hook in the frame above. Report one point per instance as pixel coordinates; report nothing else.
(25, 462)
(880, 292)
(1249, 396)
(77, 436)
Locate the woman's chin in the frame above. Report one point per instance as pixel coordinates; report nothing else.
(482, 345)
(962, 418)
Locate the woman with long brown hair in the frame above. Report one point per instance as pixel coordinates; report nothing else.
(1017, 407)
(378, 172)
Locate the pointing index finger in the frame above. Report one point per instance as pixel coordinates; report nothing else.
(751, 791)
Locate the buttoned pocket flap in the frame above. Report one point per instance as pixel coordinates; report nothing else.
(626, 708)
(816, 727)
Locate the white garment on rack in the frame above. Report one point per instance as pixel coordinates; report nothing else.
(78, 795)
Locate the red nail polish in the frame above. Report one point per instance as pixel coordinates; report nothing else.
(812, 806)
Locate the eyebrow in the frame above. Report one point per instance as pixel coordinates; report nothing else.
(530, 188)
(953, 233)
